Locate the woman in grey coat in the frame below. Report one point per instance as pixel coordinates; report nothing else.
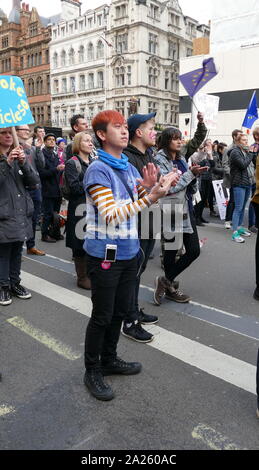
(16, 209)
(168, 159)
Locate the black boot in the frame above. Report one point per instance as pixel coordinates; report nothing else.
(93, 380)
(81, 271)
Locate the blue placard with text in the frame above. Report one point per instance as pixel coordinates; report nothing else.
(14, 106)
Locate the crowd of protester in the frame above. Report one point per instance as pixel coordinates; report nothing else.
(108, 177)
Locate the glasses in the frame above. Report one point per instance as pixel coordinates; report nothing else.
(25, 130)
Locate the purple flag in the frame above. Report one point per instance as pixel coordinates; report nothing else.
(195, 80)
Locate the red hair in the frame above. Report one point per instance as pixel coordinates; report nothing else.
(102, 119)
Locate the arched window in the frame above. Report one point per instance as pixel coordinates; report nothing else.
(100, 83)
(100, 50)
(55, 60)
(81, 54)
(71, 56)
(63, 58)
(39, 86)
(31, 87)
(90, 51)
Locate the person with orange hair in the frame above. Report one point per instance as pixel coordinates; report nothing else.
(115, 194)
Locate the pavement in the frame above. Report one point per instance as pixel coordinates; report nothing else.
(197, 387)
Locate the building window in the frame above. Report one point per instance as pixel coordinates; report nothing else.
(188, 52)
(33, 29)
(166, 80)
(81, 54)
(63, 58)
(100, 108)
(152, 43)
(121, 11)
(47, 56)
(31, 87)
(81, 25)
(48, 83)
(71, 29)
(129, 75)
(100, 50)
(119, 76)
(91, 112)
(90, 81)
(64, 85)
(55, 60)
(174, 114)
(56, 87)
(152, 76)
(166, 113)
(120, 106)
(122, 43)
(71, 57)
(174, 20)
(64, 117)
(63, 31)
(39, 86)
(100, 83)
(90, 22)
(54, 34)
(21, 62)
(154, 11)
(174, 82)
(90, 51)
(56, 117)
(82, 82)
(5, 42)
(99, 20)
(152, 107)
(172, 50)
(72, 84)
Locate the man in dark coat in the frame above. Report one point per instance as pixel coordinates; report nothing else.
(16, 208)
(51, 194)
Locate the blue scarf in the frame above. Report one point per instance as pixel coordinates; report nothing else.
(117, 163)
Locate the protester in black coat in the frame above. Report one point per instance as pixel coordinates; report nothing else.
(16, 209)
(51, 194)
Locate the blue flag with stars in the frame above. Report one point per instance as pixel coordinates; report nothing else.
(195, 80)
(252, 113)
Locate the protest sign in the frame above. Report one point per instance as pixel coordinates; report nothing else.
(209, 106)
(222, 197)
(14, 106)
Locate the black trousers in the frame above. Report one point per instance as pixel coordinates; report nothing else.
(205, 192)
(113, 295)
(10, 263)
(49, 206)
(192, 251)
(230, 206)
(256, 208)
(146, 248)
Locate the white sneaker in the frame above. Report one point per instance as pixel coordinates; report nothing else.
(228, 225)
(237, 238)
(244, 232)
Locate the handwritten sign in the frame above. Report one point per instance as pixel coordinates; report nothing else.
(209, 106)
(14, 106)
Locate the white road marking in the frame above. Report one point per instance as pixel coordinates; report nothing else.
(5, 410)
(44, 338)
(213, 439)
(227, 368)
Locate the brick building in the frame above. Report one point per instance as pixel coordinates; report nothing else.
(24, 51)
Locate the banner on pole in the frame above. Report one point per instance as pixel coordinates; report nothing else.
(209, 106)
(14, 106)
(222, 197)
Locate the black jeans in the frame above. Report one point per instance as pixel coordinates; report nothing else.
(192, 251)
(10, 263)
(257, 380)
(204, 191)
(112, 297)
(49, 206)
(256, 208)
(230, 206)
(36, 198)
(146, 248)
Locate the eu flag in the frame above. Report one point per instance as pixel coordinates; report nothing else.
(195, 80)
(252, 113)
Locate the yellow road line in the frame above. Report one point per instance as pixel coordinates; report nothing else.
(213, 439)
(44, 338)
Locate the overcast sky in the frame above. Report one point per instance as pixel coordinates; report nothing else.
(198, 9)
